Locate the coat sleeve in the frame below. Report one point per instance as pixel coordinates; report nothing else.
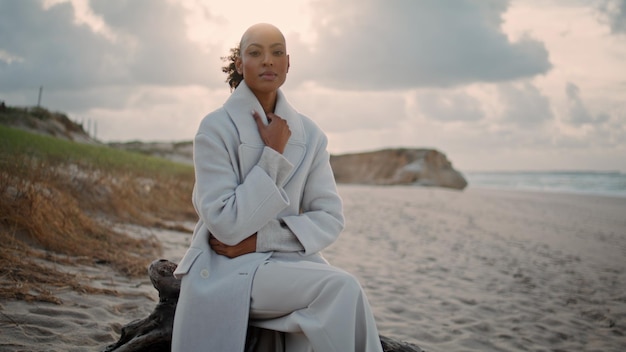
(321, 219)
(234, 209)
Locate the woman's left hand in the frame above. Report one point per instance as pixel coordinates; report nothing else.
(244, 247)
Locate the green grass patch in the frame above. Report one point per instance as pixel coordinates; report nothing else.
(18, 142)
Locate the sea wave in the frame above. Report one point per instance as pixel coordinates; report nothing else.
(608, 183)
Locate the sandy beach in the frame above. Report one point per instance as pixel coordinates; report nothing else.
(477, 270)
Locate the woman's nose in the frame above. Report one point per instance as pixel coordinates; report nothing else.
(267, 60)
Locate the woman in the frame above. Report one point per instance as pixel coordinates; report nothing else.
(268, 205)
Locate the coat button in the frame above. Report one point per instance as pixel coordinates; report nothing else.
(204, 273)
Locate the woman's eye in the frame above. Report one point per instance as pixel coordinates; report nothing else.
(254, 53)
(279, 53)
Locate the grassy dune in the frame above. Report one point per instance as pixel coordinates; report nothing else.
(59, 200)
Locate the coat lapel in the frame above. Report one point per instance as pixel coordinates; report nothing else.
(239, 108)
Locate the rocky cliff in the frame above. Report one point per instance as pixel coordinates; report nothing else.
(423, 167)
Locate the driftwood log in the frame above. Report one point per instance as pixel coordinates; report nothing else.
(154, 333)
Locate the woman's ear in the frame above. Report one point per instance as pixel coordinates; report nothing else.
(288, 63)
(239, 65)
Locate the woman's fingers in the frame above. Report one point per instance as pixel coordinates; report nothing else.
(257, 118)
(276, 134)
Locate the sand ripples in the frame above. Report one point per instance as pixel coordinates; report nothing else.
(488, 271)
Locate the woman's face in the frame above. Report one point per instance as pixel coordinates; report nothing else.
(264, 61)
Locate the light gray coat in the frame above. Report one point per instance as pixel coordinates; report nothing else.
(243, 187)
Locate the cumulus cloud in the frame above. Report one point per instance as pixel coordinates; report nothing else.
(614, 13)
(449, 106)
(160, 51)
(46, 46)
(353, 111)
(374, 44)
(524, 104)
(578, 112)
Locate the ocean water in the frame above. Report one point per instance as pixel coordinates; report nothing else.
(609, 183)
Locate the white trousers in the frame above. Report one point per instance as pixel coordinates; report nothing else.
(320, 307)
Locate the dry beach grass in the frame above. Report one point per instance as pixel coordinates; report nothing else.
(61, 208)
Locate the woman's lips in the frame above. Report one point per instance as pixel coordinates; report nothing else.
(268, 75)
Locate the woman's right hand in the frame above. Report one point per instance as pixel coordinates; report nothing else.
(276, 133)
(244, 247)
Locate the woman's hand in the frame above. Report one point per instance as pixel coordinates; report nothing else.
(244, 247)
(276, 134)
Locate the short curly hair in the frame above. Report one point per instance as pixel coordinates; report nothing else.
(234, 78)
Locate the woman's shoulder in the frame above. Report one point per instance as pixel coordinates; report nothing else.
(311, 128)
(217, 119)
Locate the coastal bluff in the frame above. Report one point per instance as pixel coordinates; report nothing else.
(42, 121)
(402, 166)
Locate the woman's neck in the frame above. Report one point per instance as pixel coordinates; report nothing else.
(267, 100)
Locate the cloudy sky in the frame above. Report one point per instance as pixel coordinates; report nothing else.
(494, 84)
